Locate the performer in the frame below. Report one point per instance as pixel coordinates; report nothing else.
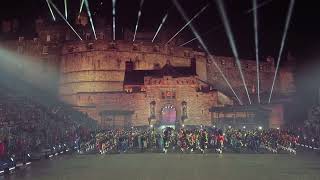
(166, 140)
(220, 142)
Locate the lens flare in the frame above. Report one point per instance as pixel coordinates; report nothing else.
(61, 15)
(185, 17)
(193, 18)
(226, 24)
(282, 45)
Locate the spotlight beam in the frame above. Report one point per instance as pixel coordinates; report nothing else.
(65, 9)
(266, 2)
(232, 43)
(246, 12)
(137, 24)
(282, 45)
(160, 26)
(61, 15)
(255, 22)
(193, 18)
(193, 39)
(53, 17)
(185, 17)
(81, 6)
(114, 19)
(90, 17)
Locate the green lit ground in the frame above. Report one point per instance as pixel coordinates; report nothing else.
(174, 166)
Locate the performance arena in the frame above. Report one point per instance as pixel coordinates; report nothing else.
(147, 89)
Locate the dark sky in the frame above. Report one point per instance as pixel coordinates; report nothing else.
(303, 36)
(303, 33)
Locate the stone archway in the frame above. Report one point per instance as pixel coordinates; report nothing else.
(168, 115)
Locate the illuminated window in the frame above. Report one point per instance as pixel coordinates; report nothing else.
(48, 38)
(45, 50)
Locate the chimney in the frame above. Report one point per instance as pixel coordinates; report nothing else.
(129, 65)
(193, 65)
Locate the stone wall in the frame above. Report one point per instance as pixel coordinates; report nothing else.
(100, 66)
(198, 103)
(232, 73)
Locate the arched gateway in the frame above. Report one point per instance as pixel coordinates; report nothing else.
(168, 115)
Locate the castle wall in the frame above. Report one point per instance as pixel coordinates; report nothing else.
(100, 66)
(89, 74)
(198, 103)
(232, 73)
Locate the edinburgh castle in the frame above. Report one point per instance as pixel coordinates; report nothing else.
(121, 83)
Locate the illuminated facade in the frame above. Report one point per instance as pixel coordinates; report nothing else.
(124, 83)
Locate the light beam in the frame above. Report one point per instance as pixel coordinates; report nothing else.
(266, 2)
(232, 43)
(114, 19)
(185, 17)
(193, 39)
(255, 22)
(53, 17)
(61, 15)
(282, 45)
(246, 12)
(81, 6)
(193, 18)
(137, 24)
(160, 26)
(90, 17)
(65, 9)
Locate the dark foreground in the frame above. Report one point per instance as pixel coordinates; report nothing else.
(174, 166)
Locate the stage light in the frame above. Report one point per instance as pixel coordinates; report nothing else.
(229, 127)
(244, 127)
(182, 125)
(55, 7)
(258, 6)
(188, 22)
(114, 19)
(246, 12)
(160, 26)
(255, 22)
(185, 17)
(65, 9)
(195, 38)
(81, 6)
(260, 127)
(137, 24)
(282, 45)
(232, 43)
(90, 17)
(53, 17)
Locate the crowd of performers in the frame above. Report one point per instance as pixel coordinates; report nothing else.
(199, 140)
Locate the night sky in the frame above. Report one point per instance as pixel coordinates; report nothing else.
(303, 36)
